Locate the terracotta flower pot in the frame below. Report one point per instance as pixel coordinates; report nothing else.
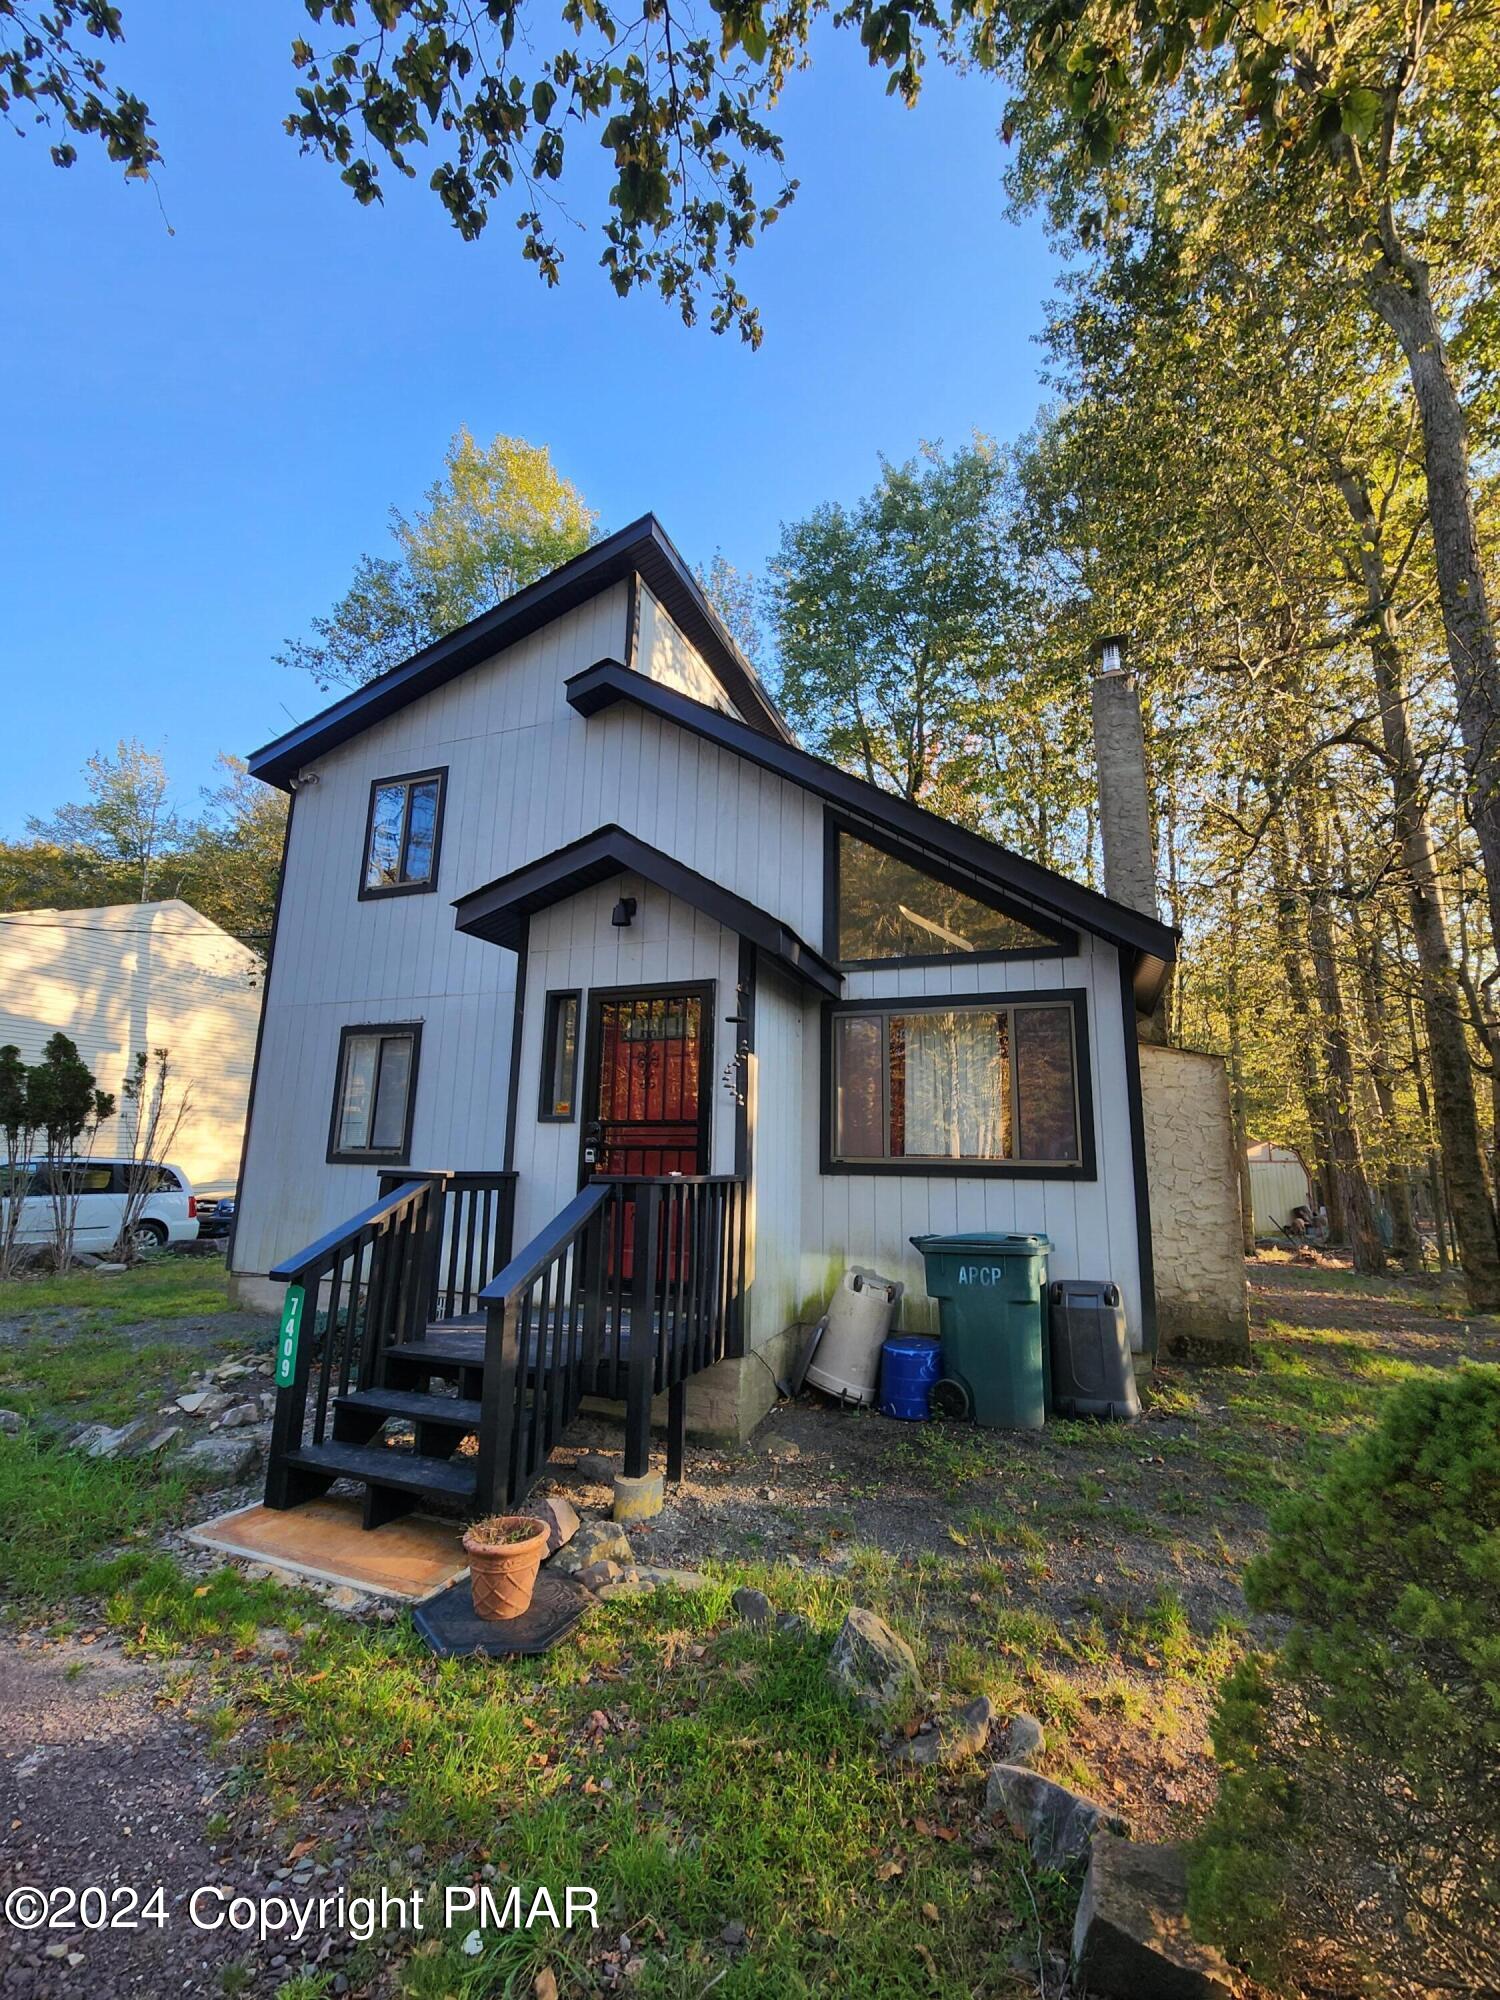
(502, 1575)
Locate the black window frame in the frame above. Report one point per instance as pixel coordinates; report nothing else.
(378, 891)
(383, 1156)
(1085, 1168)
(1061, 941)
(552, 1006)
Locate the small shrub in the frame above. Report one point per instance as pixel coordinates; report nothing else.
(1360, 1766)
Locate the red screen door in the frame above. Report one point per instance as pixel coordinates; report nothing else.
(648, 1099)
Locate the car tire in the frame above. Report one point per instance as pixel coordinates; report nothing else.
(148, 1237)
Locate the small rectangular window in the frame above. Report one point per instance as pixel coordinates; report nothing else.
(373, 1102)
(560, 1059)
(988, 1083)
(403, 834)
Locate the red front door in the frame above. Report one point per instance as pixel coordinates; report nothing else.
(647, 1102)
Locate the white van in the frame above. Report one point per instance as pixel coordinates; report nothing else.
(170, 1214)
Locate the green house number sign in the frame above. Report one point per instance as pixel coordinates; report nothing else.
(286, 1340)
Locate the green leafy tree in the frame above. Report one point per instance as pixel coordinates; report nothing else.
(1360, 1785)
(51, 77)
(886, 615)
(499, 517)
(66, 1109)
(16, 1135)
(230, 859)
(127, 828)
(735, 597)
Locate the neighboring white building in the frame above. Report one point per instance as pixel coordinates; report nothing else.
(1278, 1183)
(563, 897)
(137, 976)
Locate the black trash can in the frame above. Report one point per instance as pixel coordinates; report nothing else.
(1092, 1373)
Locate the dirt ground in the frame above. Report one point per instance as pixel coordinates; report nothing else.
(104, 1780)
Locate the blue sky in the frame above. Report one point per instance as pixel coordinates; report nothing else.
(204, 429)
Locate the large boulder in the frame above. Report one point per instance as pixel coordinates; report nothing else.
(962, 1732)
(1056, 1824)
(871, 1663)
(1131, 1939)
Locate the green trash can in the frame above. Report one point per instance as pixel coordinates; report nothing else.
(991, 1292)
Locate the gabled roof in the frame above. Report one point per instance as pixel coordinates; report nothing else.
(1154, 944)
(642, 549)
(499, 911)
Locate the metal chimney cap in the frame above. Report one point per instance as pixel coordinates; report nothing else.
(1109, 652)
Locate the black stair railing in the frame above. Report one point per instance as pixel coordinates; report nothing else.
(635, 1286)
(421, 1252)
(474, 1241)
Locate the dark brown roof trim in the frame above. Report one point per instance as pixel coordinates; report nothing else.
(498, 912)
(1154, 944)
(642, 549)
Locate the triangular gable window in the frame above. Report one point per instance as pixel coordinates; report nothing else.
(889, 908)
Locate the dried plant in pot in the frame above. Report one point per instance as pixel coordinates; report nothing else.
(505, 1552)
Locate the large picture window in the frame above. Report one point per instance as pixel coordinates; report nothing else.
(375, 1093)
(886, 906)
(403, 834)
(998, 1084)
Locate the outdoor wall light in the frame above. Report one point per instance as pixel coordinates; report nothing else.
(622, 913)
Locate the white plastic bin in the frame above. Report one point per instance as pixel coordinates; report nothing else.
(847, 1361)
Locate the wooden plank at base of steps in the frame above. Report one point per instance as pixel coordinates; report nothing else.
(461, 1413)
(379, 1465)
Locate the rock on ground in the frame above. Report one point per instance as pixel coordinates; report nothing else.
(1057, 1825)
(638, 1578)
(596, 1541)
(872, 1663)
(962, 1732)
(561, 1518)
(1023, 1740)
(753, 1606)
(220, 1459)
(1131, 1939)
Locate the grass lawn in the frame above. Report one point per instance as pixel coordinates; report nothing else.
(701, 1774)
(85, 1349)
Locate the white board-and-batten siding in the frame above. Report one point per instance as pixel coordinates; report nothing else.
(136, 977)
(869, 1219)
(526, 775)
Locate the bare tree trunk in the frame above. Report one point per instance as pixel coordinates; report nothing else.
(1470, 1197)
(1237, 1069)
(1400, 292)
(1304, 1047)
(1338, 1057)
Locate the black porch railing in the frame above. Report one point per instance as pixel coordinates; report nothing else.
(636, 1286)
(421, 1252)
(479, 1214)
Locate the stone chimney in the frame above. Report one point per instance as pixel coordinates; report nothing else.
(1124, 799)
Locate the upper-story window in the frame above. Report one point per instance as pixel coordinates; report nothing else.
(403, 834)
(885, 906)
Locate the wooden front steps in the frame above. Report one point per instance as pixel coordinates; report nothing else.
(394, 1480)
(395, 1318)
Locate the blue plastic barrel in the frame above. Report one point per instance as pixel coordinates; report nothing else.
(909, 1365)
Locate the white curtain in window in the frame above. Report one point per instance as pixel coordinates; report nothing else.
(957, 1085)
